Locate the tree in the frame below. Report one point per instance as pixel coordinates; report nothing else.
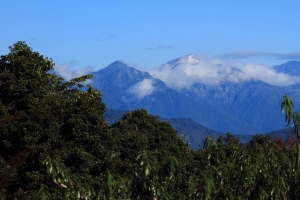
(56, 118)
(150, 154)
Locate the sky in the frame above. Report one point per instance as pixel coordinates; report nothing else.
(89, 35)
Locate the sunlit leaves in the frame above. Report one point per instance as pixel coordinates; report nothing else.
(287, 106)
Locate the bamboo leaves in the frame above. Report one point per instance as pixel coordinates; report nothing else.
(287, 106)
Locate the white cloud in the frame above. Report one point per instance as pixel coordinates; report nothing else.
(67, 73)
(161, 46)
(143, 88)
(252, 71)
(212, 71)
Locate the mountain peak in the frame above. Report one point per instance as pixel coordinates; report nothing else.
(120, 70)
(189, 59)
(114, 67)
(118, 64)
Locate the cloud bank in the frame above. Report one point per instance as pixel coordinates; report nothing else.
(143, 88)
(213, 71)
(67, 73)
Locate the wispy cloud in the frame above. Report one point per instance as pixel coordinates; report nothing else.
(159, 47)
(249, 54)
(212, 71)
(143, 88)
(108, 34)
(105, 35)
(65, 71)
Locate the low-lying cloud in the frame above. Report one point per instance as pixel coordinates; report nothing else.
(143, 88)
(213, 71)
(67, 73)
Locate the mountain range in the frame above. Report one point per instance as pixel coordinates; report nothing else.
(226, 105)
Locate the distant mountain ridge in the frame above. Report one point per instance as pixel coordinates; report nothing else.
(291, 68)
(188, 129)
(238, 107)
(116, 80)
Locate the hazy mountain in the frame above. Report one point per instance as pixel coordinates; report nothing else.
(292, 68)
(192, 132)
(188, 129)
(239, 106)
(190, 59)
(251, 101)
(126, 88)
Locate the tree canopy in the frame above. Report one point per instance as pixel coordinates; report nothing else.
(53, 116)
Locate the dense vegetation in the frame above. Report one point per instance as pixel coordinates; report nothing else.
(56, 144)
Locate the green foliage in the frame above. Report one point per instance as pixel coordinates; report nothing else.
(287, 105)
(148, 153)
(55, 118)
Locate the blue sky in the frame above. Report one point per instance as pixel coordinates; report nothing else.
(146, 34)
